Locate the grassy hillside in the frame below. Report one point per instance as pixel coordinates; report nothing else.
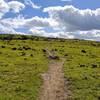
(22, 60)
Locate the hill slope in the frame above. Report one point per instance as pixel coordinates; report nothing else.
(23, 60)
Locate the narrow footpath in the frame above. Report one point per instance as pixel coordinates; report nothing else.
(53, 87)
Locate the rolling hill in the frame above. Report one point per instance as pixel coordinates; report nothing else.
(23, 59)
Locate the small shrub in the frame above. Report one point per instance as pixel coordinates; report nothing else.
(66, 55)
(94, 66)
(25, 58)
(43, 50)
(83, 51)
(55, 49)
(99, 98)
(26, 48)
(54, 57)
(20, 48)
(2, 46)
(31, 55)
(14, 48)
(23, 54)
(82, 65)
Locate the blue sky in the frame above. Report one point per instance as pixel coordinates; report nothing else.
(30, 12)
(51, 18)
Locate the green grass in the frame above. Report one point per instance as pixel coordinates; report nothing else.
(83, 72)
(20, 69)
(20, 74)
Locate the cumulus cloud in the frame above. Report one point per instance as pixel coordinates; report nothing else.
(6, 30)
(3, 8)
(36, 26)
(9, 25)
(16, 6)
(73, 19)
(26, 23)
(15, 23)
(88, 35)
(32, 4)
(42, 32)
(63, 22)
(36, 22)
(37, 32)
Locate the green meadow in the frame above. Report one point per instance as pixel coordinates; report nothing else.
(22, 61)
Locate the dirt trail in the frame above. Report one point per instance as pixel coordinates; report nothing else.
(53, 87)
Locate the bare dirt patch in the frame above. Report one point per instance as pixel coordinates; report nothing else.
(54, 87)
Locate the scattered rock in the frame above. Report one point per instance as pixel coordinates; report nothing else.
(93, 44)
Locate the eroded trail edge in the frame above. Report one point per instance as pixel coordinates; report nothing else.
(53, 87)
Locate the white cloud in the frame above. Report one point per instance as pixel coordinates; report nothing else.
(89, 35)
(16, 6)
(42, 32)
(32, 4)
(64, 22)
(37, 32)
(36, 22)
(3, 8)
(73, 19)
(7, 30)
(26, 23)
